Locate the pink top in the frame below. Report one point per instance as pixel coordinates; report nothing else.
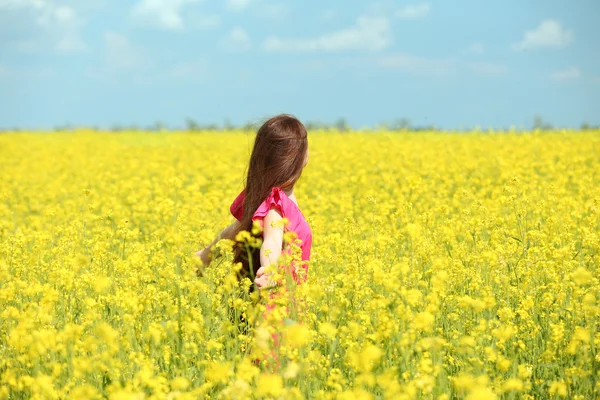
(279, 201)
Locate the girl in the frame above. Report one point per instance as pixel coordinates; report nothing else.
(278, 158)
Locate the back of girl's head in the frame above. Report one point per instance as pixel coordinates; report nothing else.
(279, 154)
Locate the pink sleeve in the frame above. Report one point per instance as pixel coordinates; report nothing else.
(237, 207)
(274, 201)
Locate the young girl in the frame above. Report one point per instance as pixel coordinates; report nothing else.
(279, 155)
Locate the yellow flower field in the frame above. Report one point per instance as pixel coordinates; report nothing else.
(444, 266)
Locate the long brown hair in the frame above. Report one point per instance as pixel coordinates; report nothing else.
(277, 160)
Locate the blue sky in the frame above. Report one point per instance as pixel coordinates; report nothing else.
(452, 64)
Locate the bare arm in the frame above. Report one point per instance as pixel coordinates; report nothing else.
(227, 233)
(270, 250)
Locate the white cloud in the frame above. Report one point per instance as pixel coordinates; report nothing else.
(71, 43)
(36, 72)
(327, 15)
(49, 14)
(21, 3)
(64, 14)
(69, 24)
(120, 53)
(237, 5)
(475, 48)
(439, 66)
(5, 72)
(163, 14)
(196, 70)
(45, 8)
(413, 11)
(487, 69)
(237, 41)
(8, 4)
(568, 74)
(369, 34)
(210, 21)
(548, 34)
(61, 23)
(25, 46)
(274, 12)
(417, 65)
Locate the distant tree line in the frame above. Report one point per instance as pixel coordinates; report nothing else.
(192, 125)
(341, 125)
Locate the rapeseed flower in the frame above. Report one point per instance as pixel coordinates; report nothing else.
(442, 266)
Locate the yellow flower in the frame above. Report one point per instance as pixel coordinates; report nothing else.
(243, 237)
(424, 321)
(106, 332)
(327, 329)
(481, 393)
(503, 333)
(582, 276)
(291, 370)
(246, 371)
(558, 389)
(218, 372)
(356, 394)
(463, 382)
(513, 384)
(297, 335)
(84, 392)
(269, 385)
(503, 364)
(43, 387)
(413, 230)
(256, 228)
(180, 383)
(469, 253)
(366, 359)
(413, 297)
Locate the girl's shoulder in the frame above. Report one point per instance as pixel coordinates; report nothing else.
(277, 199)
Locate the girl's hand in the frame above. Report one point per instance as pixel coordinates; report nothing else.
(204, 256)
(262, 279)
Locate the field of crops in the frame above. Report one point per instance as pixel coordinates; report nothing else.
(444, 266)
